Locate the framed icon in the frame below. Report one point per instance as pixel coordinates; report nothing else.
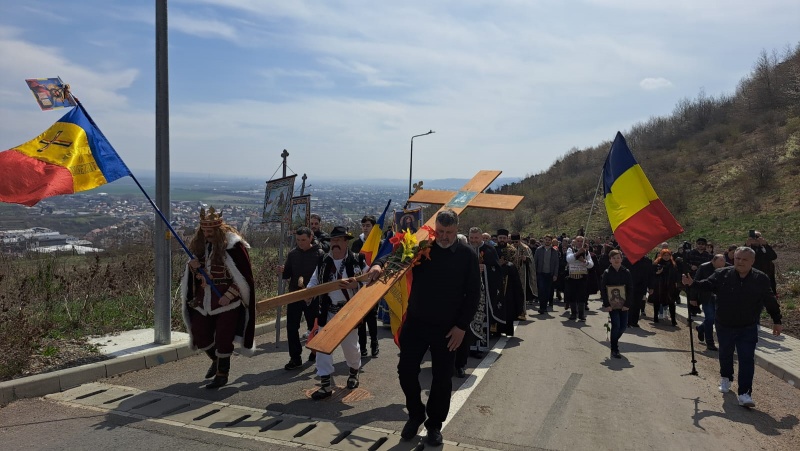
(301, 211)
(278, 199)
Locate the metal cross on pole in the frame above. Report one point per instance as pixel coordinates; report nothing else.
(281, 244)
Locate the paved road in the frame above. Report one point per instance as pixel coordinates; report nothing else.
(552, 386)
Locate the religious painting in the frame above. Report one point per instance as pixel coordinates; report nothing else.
(616, 296)
(50, 93)
(278, 199)
(407, 219)
(461, 199)
(301, 211)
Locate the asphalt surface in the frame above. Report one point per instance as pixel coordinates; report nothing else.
(551, 386)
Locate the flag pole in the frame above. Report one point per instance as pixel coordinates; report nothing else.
(586, 230)
(160, 214)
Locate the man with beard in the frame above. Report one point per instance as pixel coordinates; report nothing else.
(215, 319)
(343, 265)
(442, 303)
(523, 260)
(487, 262)
(321, 238)
(509, 301)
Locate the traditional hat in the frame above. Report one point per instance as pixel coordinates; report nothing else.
(502, 232)
(341, 231)
(515, 237)
(210, 220)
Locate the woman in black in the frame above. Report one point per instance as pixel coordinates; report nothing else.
(664, 284)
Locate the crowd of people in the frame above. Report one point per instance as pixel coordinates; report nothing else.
(472, 286)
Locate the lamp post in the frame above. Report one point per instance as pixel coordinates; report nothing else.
(411, 161)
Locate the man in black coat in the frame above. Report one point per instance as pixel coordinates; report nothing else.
(707, 299)
(442, 303)
(742, 293)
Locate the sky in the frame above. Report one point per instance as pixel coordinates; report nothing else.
(510, 85)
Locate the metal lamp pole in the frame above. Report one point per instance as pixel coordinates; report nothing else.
(411, 161)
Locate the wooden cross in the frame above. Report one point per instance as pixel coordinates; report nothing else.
(471, 195)
(55, 141)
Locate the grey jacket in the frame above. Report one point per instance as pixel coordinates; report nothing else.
(538, 259)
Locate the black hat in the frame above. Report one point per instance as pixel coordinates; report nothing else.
(502, 232)
(701, 240)
(515, 237)
(341, 231)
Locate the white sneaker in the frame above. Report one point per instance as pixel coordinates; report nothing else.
(746, 400)
(724, 385)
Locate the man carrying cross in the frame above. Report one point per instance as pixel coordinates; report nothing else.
(442, 304)
(343, 265)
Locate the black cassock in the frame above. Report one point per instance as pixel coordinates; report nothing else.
(508, 303)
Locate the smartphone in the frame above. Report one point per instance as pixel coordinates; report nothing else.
(752, 233)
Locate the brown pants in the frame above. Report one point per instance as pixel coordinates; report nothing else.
(215, 331)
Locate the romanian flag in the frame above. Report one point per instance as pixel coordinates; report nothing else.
(397, 300)
(69, 157)
(372, 243)
(638, 218)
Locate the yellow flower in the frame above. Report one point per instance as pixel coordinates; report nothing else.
(409, 242)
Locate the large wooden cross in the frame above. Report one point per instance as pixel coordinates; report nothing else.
(471, 195)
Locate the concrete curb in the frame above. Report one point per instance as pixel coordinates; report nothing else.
(57, 381)
(788, 375)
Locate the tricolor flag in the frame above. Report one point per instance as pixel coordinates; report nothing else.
(69, 157)
(372, 243)
(638, 218)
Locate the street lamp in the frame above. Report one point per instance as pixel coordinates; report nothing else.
(411, 160)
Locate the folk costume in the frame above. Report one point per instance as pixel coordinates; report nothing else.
(579, 261)
(215, 323)
(329, 270)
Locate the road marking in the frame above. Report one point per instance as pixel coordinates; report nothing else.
(459, 398)
(556, 411)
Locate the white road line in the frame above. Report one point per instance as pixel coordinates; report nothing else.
(461, 395)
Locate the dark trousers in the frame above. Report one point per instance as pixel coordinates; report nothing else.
(415, 341)
(743, 340)
(576, 295)
(619, 322)
(657, 306)
(636, 310)
(462, 353)
(371, 321)
(544, 285)
(294, 313)
(311, 312)
(215, 332)
(709, 315)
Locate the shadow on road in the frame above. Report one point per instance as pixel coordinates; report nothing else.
(732, 411)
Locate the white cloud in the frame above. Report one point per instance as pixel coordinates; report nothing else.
(652, 84)
(201, 27)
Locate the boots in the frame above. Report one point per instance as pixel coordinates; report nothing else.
(375, 350)
(325, 391)
(223, 367)
(212, 370)
(352, 380)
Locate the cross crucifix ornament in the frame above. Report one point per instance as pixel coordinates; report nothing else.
(471, 195)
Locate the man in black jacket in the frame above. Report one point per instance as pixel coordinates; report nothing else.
(707, 299)
(443, 300)
(765, 257)
(742, 292)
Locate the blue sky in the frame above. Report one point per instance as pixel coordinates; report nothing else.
(343, 85)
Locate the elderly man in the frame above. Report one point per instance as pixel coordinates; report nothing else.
(742, 293)
(343, 265)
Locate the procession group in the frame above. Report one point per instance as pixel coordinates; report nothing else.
(470, 286)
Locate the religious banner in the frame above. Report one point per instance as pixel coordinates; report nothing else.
(278, 200)
(407, 220)
(50, 93)
(301, 211)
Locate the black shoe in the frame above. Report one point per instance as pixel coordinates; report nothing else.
(364, 351)
(711, 347)
(616, 354)
(312, 357)
(434, 437)
(219, 381)
(411, 429)
(352, 379)
(655, 320)
(375, 349)
(212, 370)
(701, 334)
(461, 373)
(572, 317)
(542, 312)
(322, 393)
(583, 318)
(674, 323)
(293, 365)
